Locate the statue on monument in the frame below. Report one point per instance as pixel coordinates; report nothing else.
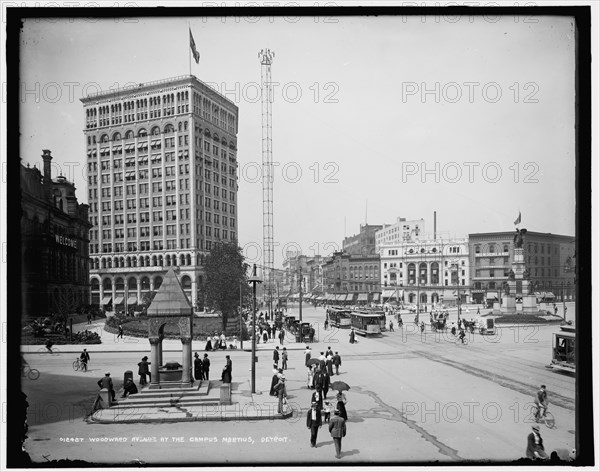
(511, 275)
(526, 274)
(518, 238)
(506, 288)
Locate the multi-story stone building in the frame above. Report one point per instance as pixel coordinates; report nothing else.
(54, 243)
(401, 231)
(353, 278)
(426, 272)
(548, 259)
(362, 243)
(162, 175)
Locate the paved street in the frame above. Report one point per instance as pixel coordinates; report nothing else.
(420, 397)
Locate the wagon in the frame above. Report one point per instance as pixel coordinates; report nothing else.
(486, 326)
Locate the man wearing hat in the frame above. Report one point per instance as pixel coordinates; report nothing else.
(107, 383)
(205, 367)
(144, 370)
(337, 428)
(313, 422)
(197, 367)
(535, 444)
(281, 392)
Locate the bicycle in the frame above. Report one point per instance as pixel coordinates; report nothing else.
(464, 340)
(44, 349)
(547, 418)
(30, 373)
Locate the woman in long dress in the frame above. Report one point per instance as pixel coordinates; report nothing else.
(208, 346)
(341, 404)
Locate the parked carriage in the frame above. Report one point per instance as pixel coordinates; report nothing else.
(366, 324)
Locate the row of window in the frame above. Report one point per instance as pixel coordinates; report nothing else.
(157, 245)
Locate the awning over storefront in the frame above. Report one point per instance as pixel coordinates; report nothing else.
(491, 295)
(390, 294)
(544, 294)
(106, 300)
(376, 296)
(132, 301)
(363, 297)
(119, 300)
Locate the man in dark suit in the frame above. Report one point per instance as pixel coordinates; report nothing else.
(337, 428)
(205, 367)
(337, 362)
(313, 422)
(276, 356)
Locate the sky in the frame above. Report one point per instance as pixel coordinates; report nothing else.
(374, 117)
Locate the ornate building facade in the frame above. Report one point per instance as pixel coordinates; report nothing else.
(54, 243)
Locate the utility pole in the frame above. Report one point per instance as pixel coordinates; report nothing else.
(300, 292)
(254, 280)
(241, 322)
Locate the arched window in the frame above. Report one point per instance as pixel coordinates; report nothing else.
(169, 129)
(117, 136)
(107, 284)
(155, 131)
(104, 138)
(157, 282)
(131, 284)
(129, 134)
(142, 132)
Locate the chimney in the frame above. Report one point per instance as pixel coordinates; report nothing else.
(47, 181)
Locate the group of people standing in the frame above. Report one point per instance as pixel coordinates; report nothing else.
(319, 375)
(219, 342)
(201, 367)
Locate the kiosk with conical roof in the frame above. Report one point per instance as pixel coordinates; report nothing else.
(170, 306)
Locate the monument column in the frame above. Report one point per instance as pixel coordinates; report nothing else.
(139, 290)
(154, 362)
(186, 376)
(159, 348)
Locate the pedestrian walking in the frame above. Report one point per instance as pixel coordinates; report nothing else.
(281, 335)
(478, 312)
(326, 324)
(89, 318)
(274, 381)
(352, 336)
(307, 355)
(197, 367)
(391, 326)
(329, 364)
(341, 402)
(208, 346)
(317, 397)
(313, 422)
(337, 429)
(325, 387)
(284, 359)
(84, 358)
(326, 411)
(276, 356)
(144, 370)
(120, 335)
(107, 383)
(281, 394)
(337, 362)
(535, 445)
(205, 367)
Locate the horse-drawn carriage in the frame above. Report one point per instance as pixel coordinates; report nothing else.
(438, 321)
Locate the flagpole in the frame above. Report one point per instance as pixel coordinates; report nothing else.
(189, 49)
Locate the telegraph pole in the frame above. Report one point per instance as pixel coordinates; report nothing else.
(300, 292)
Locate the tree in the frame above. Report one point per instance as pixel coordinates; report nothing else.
(225, 271)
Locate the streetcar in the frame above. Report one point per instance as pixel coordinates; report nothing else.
(563, 349)
(366, 324)
(338, 317)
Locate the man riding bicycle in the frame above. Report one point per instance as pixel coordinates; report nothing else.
(541, 402)
(84, 358)
(461, 335)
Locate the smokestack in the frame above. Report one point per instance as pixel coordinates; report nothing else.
(47, 182)
(434, 224)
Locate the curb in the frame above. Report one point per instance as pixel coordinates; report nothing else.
(192, 418)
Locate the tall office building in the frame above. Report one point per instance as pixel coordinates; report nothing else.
(162, 175)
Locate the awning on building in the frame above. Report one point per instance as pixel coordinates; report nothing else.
(363, 297)
(116, 148)
(106, 300)
(376, 296)
(143, 145)
(132, 301)
(129, 147)
(491, 295)
(119, 300)
(155, 142)
(544, 294)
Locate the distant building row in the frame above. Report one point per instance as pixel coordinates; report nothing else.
(391, 263)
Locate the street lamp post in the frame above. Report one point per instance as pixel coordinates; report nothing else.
(254, 280)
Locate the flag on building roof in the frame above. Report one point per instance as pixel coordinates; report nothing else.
(194, 50)
(518, 220)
